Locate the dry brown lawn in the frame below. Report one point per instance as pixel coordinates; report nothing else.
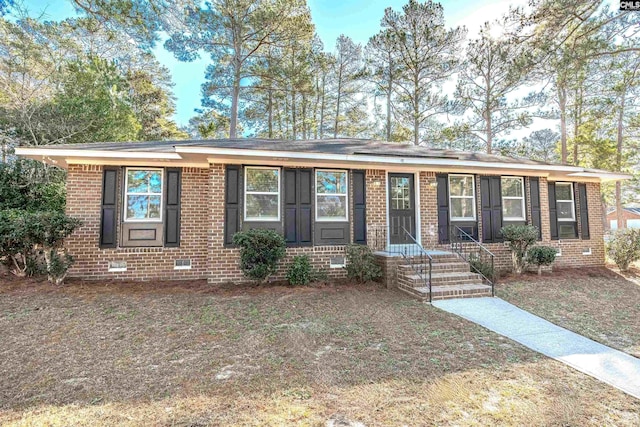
(190, 354)
(599, 303)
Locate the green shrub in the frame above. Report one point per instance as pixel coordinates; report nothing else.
(16, 241)
(24, 234)
(519, 237)
(361, 264)
(624, 247)
(480, 266)
(260, 252)
(541, 256)
(300, 271)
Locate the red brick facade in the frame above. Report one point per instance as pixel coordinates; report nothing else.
(626, 216)
(202, 229)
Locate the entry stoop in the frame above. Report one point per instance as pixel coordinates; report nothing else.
(451, 277)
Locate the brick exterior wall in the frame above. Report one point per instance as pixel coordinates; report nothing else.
(84, 189)
(202, 230)
(573, 251)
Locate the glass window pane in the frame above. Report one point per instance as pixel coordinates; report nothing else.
(400, 196)
(565, 210)
(462, 208)
(512, 208)
(563, 192)
(332, 207)
(461, 185)
(511, 187)
(154, 206)
(262, 206)
(262, 180)
(331, 182)
(137, 181)
(155, 182)
(137, 207)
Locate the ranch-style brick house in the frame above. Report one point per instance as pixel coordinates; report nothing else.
(168, 210)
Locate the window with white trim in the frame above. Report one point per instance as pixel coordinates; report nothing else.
(565, 202)
(143, 194)
(261, 194)
(462, 197)
(513, 208)
(331, 195)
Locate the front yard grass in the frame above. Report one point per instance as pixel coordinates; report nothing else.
(598, 303)
(192, 354)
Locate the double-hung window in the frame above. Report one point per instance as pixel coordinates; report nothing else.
(512, 198)
(143, 195)
(565, 202)
(462, 198)
(331, 195)
(261, 194)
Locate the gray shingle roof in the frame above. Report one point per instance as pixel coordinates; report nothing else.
(327, 146)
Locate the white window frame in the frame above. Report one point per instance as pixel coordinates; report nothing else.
(573, 202)
(521, 198)
(346, 194)
(127, 194)
(263, 219)
(472, 197)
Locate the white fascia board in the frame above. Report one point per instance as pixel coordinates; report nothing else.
(53, 152)
(363, 158)
(605, 176)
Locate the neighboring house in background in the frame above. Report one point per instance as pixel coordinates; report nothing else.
(168, 210)
(630, 218)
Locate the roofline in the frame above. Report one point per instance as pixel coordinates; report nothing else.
(571, 171)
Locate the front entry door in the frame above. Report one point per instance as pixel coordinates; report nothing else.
(402, 212)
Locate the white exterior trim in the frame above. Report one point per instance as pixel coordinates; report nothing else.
(473, 198)
(235, 155)
(345, 195)
(126, 195)
(522, 200)
(244, 188)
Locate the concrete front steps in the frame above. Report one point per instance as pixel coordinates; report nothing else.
(451, 277)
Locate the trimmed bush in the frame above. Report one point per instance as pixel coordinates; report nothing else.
(23, 234)
(260, 252)
(480, 266)
(300, 271)
(624, 248)
(541, 256)
(361, 264)
(519, 237)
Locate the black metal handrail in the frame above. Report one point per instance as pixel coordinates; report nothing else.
(480, 259)
(417, 257)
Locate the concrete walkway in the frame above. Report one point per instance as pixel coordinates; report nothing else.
(604, 363)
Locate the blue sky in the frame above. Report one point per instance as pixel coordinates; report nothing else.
(358, 19)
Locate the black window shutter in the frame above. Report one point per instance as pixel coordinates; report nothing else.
(298, 206)
(584, 211)
(443, 208)
(553, 211)
(536, 218)
(491, 207)
(108, 214)
(359, 207)
(232, 205)
(173, 183)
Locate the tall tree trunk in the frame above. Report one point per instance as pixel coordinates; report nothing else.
(304, 116)
(321, 126)
(562, 103)
(233, 120)
(337, 122)
(489, 131)
(270, 115)
(416, 109)
(389, 89)
(620, 129)
(294, 129)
